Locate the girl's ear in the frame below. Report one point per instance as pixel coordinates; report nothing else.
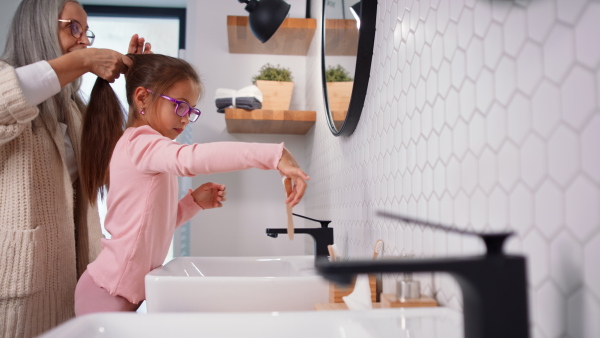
(141, 98)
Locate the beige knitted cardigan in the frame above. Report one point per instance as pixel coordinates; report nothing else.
(47, 236)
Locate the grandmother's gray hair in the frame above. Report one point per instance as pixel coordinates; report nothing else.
(33, 36)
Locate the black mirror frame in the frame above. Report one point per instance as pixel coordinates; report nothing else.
(364, 56)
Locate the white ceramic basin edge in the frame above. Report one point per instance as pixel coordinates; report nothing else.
(381, 323)
(229, 284)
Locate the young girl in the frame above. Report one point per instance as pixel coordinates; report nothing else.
(141, 178)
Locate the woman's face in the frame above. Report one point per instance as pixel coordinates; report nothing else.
(163, 117)
(69, 43)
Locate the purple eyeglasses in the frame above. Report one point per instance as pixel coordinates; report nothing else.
(77, 30)
(182, 108)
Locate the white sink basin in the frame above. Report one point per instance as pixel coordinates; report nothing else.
(242, 284)
(397, 323)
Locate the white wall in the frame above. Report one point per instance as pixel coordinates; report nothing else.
(255, 197)
(6, 14)
(484, 115)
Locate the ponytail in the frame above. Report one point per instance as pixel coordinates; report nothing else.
(103, 125)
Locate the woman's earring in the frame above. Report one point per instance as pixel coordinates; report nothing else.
(142, 111)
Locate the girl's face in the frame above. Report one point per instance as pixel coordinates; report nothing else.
(163, 117)
(68, 43)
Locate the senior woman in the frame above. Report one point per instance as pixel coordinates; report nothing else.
(49, 231)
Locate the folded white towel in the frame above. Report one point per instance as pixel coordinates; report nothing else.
(249, 91)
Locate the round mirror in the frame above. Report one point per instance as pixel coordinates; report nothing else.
(348, 35)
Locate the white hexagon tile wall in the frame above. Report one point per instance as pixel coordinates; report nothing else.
(484, 115)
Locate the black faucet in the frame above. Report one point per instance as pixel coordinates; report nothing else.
(323, 236)
(494, 285)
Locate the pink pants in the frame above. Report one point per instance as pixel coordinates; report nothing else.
(90, 298)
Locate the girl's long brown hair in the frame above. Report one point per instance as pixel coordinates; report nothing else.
(104, 121)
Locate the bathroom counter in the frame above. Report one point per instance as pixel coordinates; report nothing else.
(338, 306)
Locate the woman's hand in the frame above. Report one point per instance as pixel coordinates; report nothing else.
(209, 195)
(108, 64)
(289, 167)
(137, 45)
(105, 63)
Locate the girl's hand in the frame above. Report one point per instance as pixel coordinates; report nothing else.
(209, 195)
(137, 46)
(289, 167)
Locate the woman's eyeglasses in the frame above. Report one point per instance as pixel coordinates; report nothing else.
(77, 30)
(182, 108)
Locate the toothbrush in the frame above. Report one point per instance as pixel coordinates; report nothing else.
(378, 248)
(335, 251)
(332, 256)
(287, 184)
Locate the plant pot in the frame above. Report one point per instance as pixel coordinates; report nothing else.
(338, 95)
(277, 95)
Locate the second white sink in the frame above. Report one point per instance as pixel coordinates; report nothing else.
(383, 323)
(219, 284)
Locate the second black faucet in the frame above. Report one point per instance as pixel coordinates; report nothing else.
(322, 236)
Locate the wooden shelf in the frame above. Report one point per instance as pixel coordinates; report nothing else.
(259, 121)
(292, 38)
(341, 37)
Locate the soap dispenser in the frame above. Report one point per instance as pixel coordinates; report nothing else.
(408, 294)
(408, 289)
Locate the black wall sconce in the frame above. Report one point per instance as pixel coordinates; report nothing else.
(265, 16)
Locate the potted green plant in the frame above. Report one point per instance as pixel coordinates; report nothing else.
(275, 83)
(337, 74)
(339, 89)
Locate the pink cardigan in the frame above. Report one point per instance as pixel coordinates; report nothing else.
(143, 207)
